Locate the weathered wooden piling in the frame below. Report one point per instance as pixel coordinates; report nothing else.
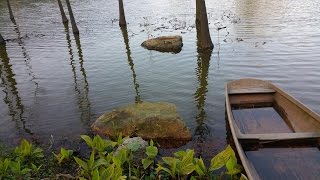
(122, 17)
(73, 22)
(63, 15)
(10, 10)
(203, 34)
(2, 41)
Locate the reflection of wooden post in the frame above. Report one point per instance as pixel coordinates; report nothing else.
(63, 15)
(73, 22)
(200, 96)
(131, 64)
(10, 11)
(204, 39)
(122, 18)
(2, 41)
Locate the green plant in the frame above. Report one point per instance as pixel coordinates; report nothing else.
(97, 143)
(228, 159)
(151, 152)
(64, 155)
(180, 165)
(89, 166)
(18, 170)
(26, 150)
(4, 167)
(35, 168)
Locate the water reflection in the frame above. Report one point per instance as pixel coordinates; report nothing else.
(202, 131)
(12, 97)
(26, 56)
(81, 85)
(131, 64)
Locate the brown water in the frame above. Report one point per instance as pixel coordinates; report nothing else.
(53, 85)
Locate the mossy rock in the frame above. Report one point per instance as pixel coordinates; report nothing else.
(158, 121)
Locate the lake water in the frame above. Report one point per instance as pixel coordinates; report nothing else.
(53, 85)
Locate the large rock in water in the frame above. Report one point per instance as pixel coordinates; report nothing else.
(164, 44)
(158, 121)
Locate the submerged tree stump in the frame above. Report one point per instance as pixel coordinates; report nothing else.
(122, 17)
(203, 33)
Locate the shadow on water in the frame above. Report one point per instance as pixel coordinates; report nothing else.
(81, 85)
(131, 64)
(12, 98)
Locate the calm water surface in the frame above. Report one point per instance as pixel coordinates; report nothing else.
(54, 85)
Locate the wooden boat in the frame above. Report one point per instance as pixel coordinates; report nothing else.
(276, 136)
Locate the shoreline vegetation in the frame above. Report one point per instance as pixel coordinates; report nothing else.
(114, 159)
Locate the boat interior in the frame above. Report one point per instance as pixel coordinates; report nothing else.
(276, 132)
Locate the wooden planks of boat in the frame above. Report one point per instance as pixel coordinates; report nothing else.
(273, 132)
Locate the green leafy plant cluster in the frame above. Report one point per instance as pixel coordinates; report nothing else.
(23, 163)
(109, 160)
(106, 162)
(185, 165)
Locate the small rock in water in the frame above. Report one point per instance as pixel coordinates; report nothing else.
(164, 44)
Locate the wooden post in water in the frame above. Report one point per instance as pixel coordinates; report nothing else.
(10, 11)
(122, 17)
(73, 22)
(63, 15)
(204, 39)
(2, 41)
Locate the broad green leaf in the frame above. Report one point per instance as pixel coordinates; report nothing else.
(180, 154)
(81, 163)
(151, 151)
(91, 160)
(122, 155)
(188, 157)
(161, 168)
(117, 173)
(87, 139)
(200, 167)
(236, 170)
(231, 163)
(146, 163)
(221, 159)
(25, 171)
(187, 169)
(95, 175)
(170, 160)
(99, 163)
(109, 172)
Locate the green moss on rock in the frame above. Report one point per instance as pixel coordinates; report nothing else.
(157, 120)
